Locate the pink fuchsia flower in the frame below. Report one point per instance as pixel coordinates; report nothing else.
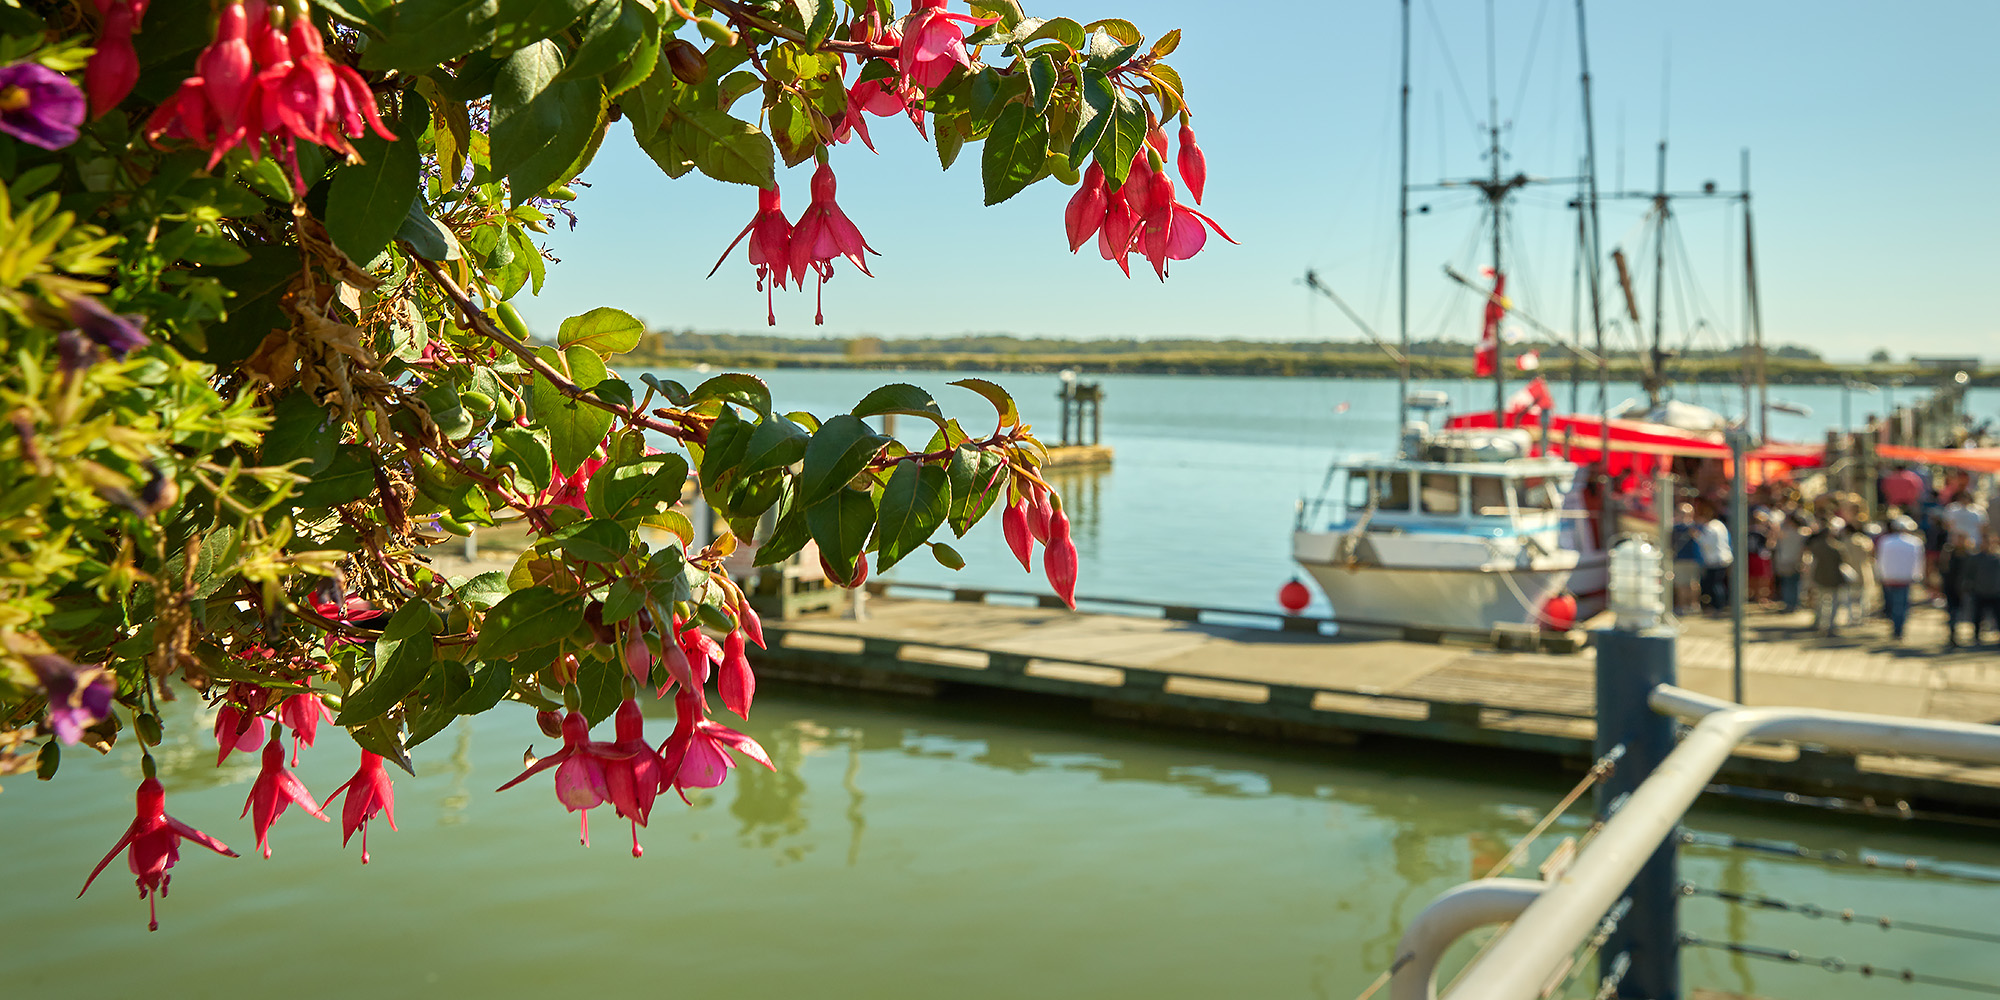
(1193, 166)
(823, 233)
(735, 681)
(79, 696)
(567, 488)
(1121, 224)
(114, 66)
(632, 769)
(301, 713)
(39, 106)
(153, 842)
(1014, 525)
(239, 724)
(369, 792)
(860, 571)
(770, 247)
(697, 754)
(1059, 559)
(274, 791)
(1170, 230)
(933, 44)
(1085, 213)
(580, 780)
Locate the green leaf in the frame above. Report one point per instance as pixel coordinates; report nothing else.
(637, 69)
(787, 537)
(1061, 29)
(490, 683)
(913, 505)
(575, 428)
(1015, 152)
(1123, 140)
(900, 397)
(524, 22)
(736, 387)
(837, 453)
(1041, 82)
(777, 443)
(421, 35)
(611, 33)
(526, 452)
(447, 411)
(727, 438)
(622, 601)
(950, 139)
(524, 116)
(722, 147)
(840, 524)
(637, 489)
(425, 235)
(600, 686)
(1117, 27)
(974, 486)
(585, 115)
(402, 659)
(300, 429)
(595, 540)
(349, 477)
(526, 619)
(484, 590)
(1093, 114)
(1000, 398)
(368, 202)
(604, 330)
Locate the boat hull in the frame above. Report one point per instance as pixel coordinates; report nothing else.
(1439, 595)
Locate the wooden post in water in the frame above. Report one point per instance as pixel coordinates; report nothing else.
(1630, 664)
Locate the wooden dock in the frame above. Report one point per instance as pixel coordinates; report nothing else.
(1244, 672)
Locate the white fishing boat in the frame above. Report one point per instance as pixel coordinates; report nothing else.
(1463, 530)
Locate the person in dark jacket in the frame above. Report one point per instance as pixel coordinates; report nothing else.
(1953, 564)
(1982, 585)
(1829, 574)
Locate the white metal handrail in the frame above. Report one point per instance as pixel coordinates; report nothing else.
(1549, 930)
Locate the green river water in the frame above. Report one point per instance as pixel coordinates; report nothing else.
(964, 848)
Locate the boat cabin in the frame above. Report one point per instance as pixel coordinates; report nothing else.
(1451, 491)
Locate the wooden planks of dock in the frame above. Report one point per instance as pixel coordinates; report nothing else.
(1235, 673)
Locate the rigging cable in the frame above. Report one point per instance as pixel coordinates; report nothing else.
(1451, 66)
(1833, 964)
(1846, 915)
(1527, 67)
(1908, 866)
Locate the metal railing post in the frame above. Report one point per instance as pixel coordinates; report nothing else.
(1631, 663)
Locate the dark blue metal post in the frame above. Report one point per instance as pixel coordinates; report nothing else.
(1630, 664)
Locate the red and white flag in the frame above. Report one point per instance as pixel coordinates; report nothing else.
(1531, 398)
(1487, 357)
(1528, 361)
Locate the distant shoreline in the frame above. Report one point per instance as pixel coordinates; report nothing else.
(1781, 371)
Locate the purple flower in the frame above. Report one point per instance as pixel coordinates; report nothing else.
(39, 105)
(115, 333)
(79, 696)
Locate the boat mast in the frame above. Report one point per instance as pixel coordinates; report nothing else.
(1403, 245)
(1590, 206)
(1755, 328)
(1496, 195)
(1656, 373)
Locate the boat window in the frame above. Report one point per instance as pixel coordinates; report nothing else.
(1394, 491)
(1357, 489)
(1538, 493)
(1440, 493)
(1489, 496)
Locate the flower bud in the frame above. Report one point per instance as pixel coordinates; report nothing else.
(148, 726)
(1193, 165)
(947, 556)
(1059, 559)
(1014, 524)
(687, 62)
(48, 760)
(550, 723)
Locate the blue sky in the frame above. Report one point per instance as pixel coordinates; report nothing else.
(1871, 128)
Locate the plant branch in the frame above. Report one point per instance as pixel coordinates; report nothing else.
(477, 320)
(741, 14)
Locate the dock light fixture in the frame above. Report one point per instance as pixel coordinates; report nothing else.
(1638, 595)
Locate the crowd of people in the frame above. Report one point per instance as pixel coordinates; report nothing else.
(1932, 546)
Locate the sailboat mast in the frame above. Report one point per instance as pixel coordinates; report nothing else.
(1496, 195)
(1403, 245)
(1755, 330)
(1591, 251)
(1657, 376)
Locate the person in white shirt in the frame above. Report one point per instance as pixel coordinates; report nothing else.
(1711, 539)
(1899, 562)
(1964, 518)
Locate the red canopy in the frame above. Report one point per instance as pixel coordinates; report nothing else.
(1640, 445)
(1974, 459)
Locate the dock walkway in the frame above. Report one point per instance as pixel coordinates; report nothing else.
(1205, 669)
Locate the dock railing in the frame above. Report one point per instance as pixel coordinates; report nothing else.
(1549, 923)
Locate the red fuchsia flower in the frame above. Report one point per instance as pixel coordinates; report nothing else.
(638, 656)
(632, 769)
(882, 98)
(301, 713)
(580, 779)
(860, 571)
(1040, 510)
(114, 66)
(1114, 238)
(1193, 166)
(933, 44)
(1014, 525)
(697, 754)
(567, 488)
(238, 727)
(369, 792)
(1059, 559)
(681, 668)
(1169, 229)
(39, 106)
(735, 681)
(153, 842)
(1085, 214)
(823, 233)
(274, 791)
(770, 247)
(79, 696)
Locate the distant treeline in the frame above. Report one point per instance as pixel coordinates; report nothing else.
(1345, 359)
